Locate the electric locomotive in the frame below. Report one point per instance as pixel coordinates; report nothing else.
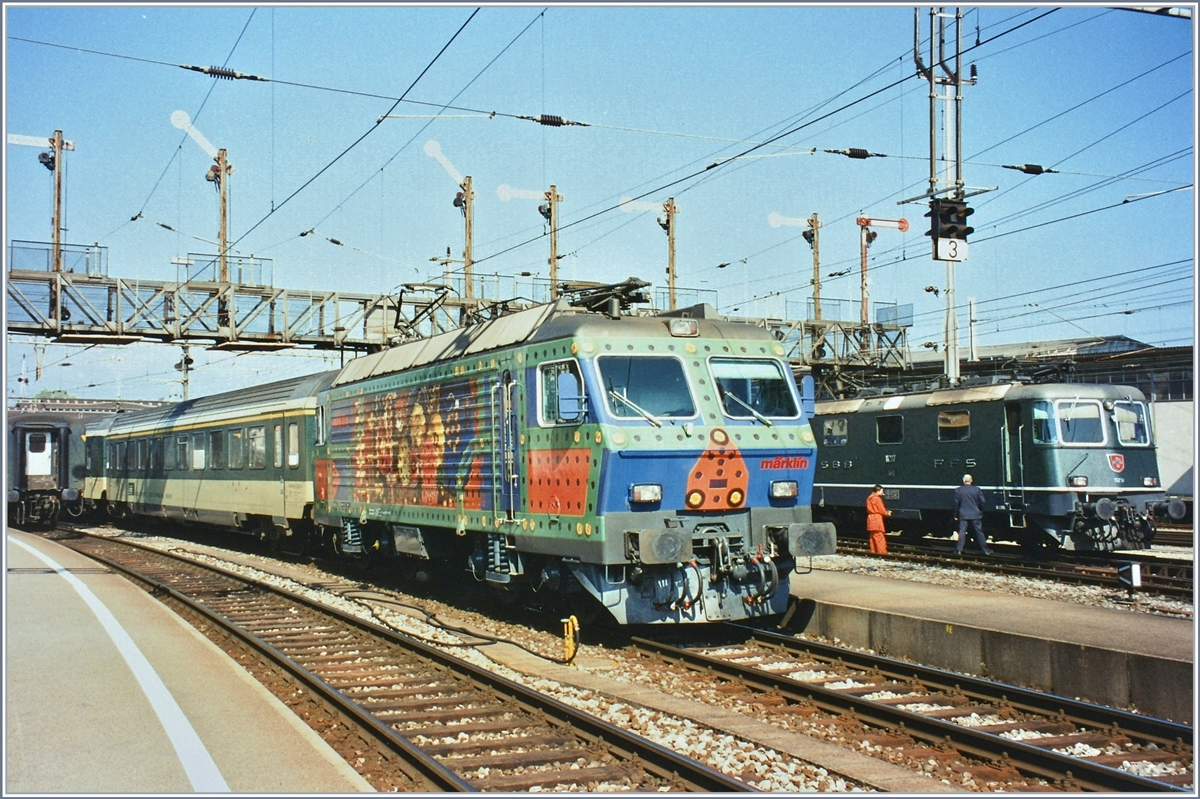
(660, 465)
(1060, 465)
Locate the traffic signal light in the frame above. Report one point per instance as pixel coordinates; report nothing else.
(954, 215)
(935, 219)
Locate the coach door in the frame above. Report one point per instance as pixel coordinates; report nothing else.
(40, 460)
(285, 453)
(1014, 465)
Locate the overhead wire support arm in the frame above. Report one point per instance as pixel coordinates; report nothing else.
(222, 72)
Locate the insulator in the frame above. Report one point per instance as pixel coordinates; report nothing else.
(857, 152)
(1033, 169)
(550, 120)
(222, 72)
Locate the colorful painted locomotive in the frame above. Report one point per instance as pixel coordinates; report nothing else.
(1061, 465)
(662, 465)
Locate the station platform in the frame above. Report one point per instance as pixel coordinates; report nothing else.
(1136, 661)
(108, 691)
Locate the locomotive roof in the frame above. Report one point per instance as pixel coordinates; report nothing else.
(990, 393)
(261, 397)
(542, 323)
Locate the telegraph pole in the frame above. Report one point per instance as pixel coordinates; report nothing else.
(550, 212)
(669, 226)
(866, 237)
(813, 237)
(468, 236)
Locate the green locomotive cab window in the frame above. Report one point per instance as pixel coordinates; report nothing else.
(277, 450)
(181, 449)
(1045, 428)
(561, 386)
(237, 453)
(1132, 428)
(293, 445)
(889, 429)
(1081, 422)
(750, 387)
(256, 437)
(835, 432)
(645, 387)
(954, 425)
(216, 448)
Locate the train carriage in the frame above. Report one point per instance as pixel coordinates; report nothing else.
(1061, 465)
(45, 466)
(238, 460)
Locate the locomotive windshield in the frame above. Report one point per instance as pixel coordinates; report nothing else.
(1081, 422)
(1130, 418)
(750, 387)
(636, 386)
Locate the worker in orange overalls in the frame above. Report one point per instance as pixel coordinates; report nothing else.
(875, 513)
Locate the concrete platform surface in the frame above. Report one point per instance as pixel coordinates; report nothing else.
(1136, 661)
(108, 691)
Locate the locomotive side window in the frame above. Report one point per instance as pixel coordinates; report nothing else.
(237, 455)
(1081, 422)
(257, 438)
(1045, 429)
(754, 386)
(651, 385)
(1132, 429)
(561, 386)
(835, 433)
(954, 425)
(889, 429)
(198, 452)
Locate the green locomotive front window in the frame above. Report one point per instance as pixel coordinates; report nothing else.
(1130, 418)
(749, 386)
(1081, 422)
(954, 425)
(834, 432)
(636, 386)
(1045, 428)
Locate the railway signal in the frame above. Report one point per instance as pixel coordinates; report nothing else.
(949, 229)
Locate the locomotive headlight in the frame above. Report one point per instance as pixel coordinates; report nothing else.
(1150, 482)
(686, 328)
(1079, 481)
(785, 489)
(646, 492)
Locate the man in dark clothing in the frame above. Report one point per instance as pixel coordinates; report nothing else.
(968, 507)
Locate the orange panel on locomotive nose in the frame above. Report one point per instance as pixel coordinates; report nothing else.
(719, 479)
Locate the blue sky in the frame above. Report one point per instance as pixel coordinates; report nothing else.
(1104, 96)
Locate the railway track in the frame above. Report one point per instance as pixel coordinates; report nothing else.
(1166, 577)
(1011, 734)
(407, 715)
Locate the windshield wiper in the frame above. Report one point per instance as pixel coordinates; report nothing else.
(646, 414)
(744, 404)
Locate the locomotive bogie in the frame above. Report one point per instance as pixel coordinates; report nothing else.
(1060, 465)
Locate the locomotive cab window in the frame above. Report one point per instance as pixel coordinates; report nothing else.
(561, 387)
(1132, 428)
(1045, 428)
(834, 432)
(752, 386)
(954, 425)
(638, 387)
(889, 430)
(1080, 422)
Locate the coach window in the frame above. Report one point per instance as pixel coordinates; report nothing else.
(131, 459)
(169, 454)
(198, 452)
(181, 448)
(954, 425)
(37, 443)
(834, 432)
(1080, 422)
(293, 445)
(563, 401)
(277, 444)
(152, 455)
(1132, 429)
(216, 449)
(889, 430)
(256, 437)
(237, 454)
